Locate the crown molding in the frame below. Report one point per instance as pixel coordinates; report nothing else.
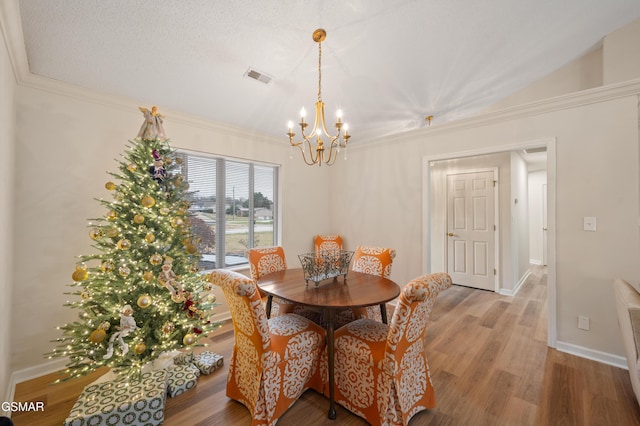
(571, 100)
(11, 27)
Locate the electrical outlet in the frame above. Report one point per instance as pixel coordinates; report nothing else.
(583, 323)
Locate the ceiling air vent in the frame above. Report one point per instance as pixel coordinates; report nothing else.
(257, 75)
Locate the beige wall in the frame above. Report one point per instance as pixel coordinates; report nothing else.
(7, 142)
(597, 175)
(65, 146)
(621, 59)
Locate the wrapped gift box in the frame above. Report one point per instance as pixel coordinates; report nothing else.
(182, 378)
(208, 361)
(123, 401)
(183, 358)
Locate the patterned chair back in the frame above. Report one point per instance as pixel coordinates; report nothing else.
(409, 324)
(247, 311)
(265, 260)
(373, 260)
(327, 242)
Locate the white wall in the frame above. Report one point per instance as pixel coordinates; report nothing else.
(7, 142)
(536, 223)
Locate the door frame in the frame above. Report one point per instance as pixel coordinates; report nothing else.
(496, 218)
(550, 144)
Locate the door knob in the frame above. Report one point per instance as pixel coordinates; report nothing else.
(450, 234)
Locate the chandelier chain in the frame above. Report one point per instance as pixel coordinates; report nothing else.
(320, 71)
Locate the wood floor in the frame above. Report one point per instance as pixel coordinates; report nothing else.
(490, 365)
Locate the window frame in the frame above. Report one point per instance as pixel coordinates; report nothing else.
(221, 196)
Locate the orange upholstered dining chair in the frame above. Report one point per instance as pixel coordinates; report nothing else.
(273, 360)
(374, 261)
(265, 260)
(327, 242)
(381, 371)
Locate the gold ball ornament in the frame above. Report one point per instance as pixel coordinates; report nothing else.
(132, 167)
(150, 237)
(85, 296)
(95, 234)
(80, 274)
(139, 219)
(145, 301)
(110, 186)
(211, 298)
(139, 348)
(112, 215)
(148, 276)
(164, 211)
(107, 266)
(123, 244)
(176, 222)
(168, 327)
(179, 160)
(124, 271)
(97, 335)
(155, 259)
(112, 232)
(189, 339)
(148, 201)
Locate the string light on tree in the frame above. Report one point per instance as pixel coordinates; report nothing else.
(129, 317)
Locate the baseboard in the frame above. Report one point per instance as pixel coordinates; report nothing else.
(38, 371)
(32, 373)
(592, 354)
(507, 292)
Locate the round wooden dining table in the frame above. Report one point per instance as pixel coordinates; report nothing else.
(357, 289)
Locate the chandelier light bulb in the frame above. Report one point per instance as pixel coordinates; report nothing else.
(303, 113)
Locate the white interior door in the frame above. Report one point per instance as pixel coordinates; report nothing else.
(471, 229)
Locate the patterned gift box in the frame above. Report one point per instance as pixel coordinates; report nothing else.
(182, 378)
(208, 361)
(184, 358)
(122, 402)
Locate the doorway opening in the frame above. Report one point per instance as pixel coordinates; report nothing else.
(516, 232)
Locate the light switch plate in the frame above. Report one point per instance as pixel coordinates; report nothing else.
(590, 224)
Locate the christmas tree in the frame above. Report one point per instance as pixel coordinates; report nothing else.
(140, 294)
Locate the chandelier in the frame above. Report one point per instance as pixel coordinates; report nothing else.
(312, 146)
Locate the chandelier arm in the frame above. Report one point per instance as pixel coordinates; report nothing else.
(304, 157)
(333, 153)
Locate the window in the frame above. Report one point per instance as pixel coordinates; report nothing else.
(233, 207)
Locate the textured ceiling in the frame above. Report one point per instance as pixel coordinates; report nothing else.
(386, 63)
